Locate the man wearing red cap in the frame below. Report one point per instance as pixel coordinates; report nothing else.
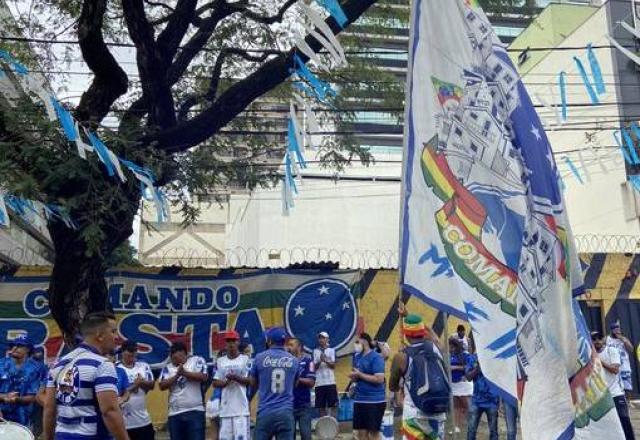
(232, 375)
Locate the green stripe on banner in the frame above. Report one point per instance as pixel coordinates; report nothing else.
(12, 310)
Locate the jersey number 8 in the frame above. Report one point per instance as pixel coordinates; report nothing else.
(278, 378)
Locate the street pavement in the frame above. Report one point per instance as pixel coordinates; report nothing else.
(483, 434)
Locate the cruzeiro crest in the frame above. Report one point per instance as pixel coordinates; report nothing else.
(325, 305)
(68, 385)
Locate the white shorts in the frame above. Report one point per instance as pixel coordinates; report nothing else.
(462, 388)
(234, 428)
(213, 409)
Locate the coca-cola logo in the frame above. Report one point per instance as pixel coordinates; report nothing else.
(279, 362)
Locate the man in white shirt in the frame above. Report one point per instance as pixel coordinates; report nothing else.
(326, 391)
(232, 376)
(620, 342)
(141, 381)
(610, 360)
(183, 377)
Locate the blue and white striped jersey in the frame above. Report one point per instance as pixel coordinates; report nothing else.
(77, 377)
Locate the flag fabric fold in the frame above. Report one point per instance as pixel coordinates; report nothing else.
(485, 234)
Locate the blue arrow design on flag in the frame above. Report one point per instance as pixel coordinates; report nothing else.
(444, 266)
(473, 312)
(506, 343)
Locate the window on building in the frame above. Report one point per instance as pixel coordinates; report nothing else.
(485, 129)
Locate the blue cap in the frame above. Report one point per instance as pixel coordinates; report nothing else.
(277, 335)
(614, 325)
(22, 341)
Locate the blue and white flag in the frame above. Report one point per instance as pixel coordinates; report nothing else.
(485, 234)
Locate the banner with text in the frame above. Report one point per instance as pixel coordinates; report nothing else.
(154, 309)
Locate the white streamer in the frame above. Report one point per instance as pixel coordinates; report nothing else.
(317, 20)
(305, 49)
(626, 52)
(81, 145)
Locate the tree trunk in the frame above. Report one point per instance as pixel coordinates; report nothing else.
(77, 285)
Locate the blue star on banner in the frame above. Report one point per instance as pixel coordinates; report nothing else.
(324, 305)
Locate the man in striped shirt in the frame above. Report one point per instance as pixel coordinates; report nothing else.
(81, 401)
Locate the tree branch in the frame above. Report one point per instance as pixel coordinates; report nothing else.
(110, 81)
(217, 68)
(151, 65)
(242, 6)
(160, 4)
(170, 38)
(193, 47)
(237, 97)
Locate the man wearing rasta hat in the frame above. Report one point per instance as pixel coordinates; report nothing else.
(415, 423)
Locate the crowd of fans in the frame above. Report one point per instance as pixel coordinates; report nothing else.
(88, 394)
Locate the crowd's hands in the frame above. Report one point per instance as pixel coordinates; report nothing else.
(10, 398)
(355, 375)
(233, 377)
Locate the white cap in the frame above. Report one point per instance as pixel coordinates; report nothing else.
(323, 334)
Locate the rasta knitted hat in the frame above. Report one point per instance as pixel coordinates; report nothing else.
(414, 327)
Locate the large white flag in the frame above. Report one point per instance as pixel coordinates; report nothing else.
(485, 235)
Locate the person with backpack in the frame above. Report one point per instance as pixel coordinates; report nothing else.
(420, 369)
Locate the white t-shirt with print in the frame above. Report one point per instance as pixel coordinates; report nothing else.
(611, 356)
(185, 395)
(625, 362)
(324, 374)
(135, 409)
(233, 402)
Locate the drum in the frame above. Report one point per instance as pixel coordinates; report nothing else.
(327, 428)
(14, 431)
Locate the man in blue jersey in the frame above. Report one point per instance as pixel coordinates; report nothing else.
(302, 410)
(81, 401)
(19, 379)
(274, 373)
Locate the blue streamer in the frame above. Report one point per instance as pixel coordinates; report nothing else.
(596, 71)
(632, 150)
(289, 174)
(294, 146)
(334, 8)
(56, 211)
(101, 149)
(66, 120)
(321, 89)
(587, 84)
(573, 169)
(562, 83)
(19, 68)
(616, 136)
(138, 169)
(635, 181)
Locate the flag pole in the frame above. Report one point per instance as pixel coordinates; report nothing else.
(447, 360)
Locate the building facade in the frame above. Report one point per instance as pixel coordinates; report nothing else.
(352, 216)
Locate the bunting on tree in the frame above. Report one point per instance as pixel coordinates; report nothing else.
(314, 86)
(72, 131)
(328, 40)
(4, 214)
(334, 8)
